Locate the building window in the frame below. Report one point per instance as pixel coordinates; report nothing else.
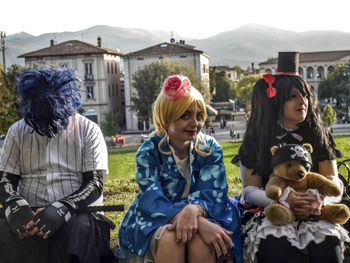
(88, 71)
(109, 90)
(139, 67)
(63, 65)
(107, 67)
(320, 72)
(90, 91)
(301, 72)
(111, 68)
(113, 90)
(115, 68)
(116, 89)
(310, 73)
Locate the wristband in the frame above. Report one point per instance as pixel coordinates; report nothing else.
(18, 214)
(52, 218)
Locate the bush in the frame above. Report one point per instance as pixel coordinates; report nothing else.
(329, 115)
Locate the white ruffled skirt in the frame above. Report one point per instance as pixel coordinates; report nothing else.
(298, 233)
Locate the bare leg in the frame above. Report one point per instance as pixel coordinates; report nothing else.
(168, 250)
(198, 251)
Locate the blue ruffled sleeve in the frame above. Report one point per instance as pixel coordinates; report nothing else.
(210, 188)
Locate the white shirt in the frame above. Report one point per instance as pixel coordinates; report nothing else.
(51, 168)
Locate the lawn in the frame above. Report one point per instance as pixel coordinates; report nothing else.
(121, 186)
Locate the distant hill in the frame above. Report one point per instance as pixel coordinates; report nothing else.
(241, 46)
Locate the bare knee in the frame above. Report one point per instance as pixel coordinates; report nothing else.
(198, 251)
(168, 250)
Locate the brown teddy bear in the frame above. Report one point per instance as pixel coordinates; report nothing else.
(291, 167)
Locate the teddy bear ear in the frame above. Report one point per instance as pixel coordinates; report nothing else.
(308, 146)
(274, 149)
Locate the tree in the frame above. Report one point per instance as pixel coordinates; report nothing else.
(336, 85)
(221, 86)
(149, 80)
(329, 115)
(244, 89)
(9, 109)
(109, 124)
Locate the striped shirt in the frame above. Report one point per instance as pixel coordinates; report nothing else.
(51, 168)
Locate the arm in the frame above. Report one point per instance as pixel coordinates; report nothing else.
(252, 188)
(90, 190)
(328, 168)
(215, 236)
(210, 188)
(17, 211)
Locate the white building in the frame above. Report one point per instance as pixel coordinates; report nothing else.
(180, 52)
(97, 67)
(313, 66)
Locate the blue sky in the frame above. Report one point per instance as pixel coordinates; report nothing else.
(191, 18)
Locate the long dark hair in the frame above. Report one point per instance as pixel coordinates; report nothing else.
(261, 126)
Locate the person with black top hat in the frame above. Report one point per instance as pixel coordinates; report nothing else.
(284, 111)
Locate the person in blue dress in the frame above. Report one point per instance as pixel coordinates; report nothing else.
(182, 213)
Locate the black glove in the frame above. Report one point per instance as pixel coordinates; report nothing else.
(18, 214)
(52, 218)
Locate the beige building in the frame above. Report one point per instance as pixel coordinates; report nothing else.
(313, 66)
(231, 73)
(97, 67)
(180, 52)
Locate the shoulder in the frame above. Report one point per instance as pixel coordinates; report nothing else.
(149, 144)
(208, 144)
(83, 120)
(19, 125)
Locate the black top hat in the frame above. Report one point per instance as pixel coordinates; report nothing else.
(288, 63)
(292, 152)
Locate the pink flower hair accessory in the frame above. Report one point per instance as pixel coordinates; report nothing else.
(176, 86)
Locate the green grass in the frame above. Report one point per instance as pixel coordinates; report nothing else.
(121, 186)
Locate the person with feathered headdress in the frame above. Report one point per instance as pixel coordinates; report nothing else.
(52, 166)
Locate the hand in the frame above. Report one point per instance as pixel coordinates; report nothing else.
(32, 228)
(18, 214)
(302, 204)
(50, 219)
(185, 223)
(214, 235)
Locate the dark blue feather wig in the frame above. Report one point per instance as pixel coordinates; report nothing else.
(48, 97)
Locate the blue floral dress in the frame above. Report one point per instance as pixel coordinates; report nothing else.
(161, 187)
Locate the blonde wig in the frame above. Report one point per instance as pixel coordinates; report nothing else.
(166, 111)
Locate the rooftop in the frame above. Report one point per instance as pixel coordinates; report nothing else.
(305, 57)
(165, 48)
(70, 48)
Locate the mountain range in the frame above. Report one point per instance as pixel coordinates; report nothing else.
(248, 44)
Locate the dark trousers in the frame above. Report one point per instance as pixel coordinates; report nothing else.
(279, 250)
(83, 239)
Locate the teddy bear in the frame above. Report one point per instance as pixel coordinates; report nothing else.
(291, 168)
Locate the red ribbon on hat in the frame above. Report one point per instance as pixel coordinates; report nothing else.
(270, 79)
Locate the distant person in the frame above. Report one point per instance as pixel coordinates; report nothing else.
(225, 123)
(232, 133)
(52, 166)
(212, 132)
(182, 210)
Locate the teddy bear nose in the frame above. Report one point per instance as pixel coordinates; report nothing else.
(300, 174)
